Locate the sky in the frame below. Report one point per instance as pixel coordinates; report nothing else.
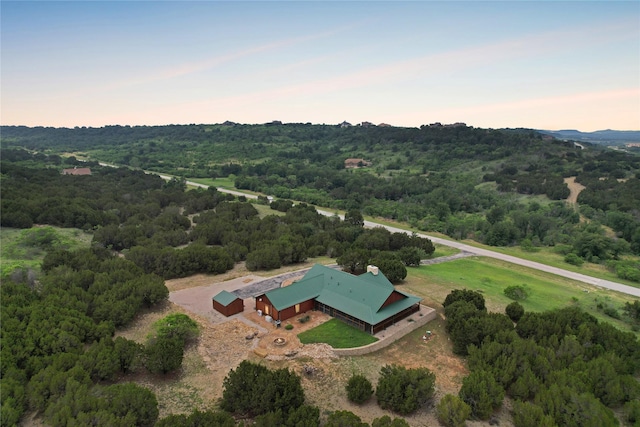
(504, 64)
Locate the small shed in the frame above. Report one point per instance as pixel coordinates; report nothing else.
(228, 303)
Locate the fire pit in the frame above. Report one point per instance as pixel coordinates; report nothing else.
(279, 341)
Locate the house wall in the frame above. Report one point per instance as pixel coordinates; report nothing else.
(235, 307)
(289, 312)
(261, 304)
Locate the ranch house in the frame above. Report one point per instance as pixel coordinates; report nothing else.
(369, 301)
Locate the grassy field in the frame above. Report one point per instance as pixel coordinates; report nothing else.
(490, 277)
(547, 256)
(227, 183)
(337, 334)
(264, 210)
(27, 248)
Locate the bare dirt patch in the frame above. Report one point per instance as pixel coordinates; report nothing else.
(574, 189)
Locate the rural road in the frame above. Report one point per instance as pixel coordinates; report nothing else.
(607, 284)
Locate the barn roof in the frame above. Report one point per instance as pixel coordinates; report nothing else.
(225, 298)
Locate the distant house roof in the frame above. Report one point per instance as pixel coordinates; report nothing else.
(356, 163)
(76, 171)
(359, 296)
(225, 298)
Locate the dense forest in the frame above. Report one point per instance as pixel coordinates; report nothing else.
(498, 187)
(59, 357)
(559, 367)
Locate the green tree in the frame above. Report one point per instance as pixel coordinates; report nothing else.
(266, 258)
(303, 416)
(253, 389)
(344, 419)
(164, 354)
(404, 390)
(101, 360)
(128, 353)
(482, 393)
(198, 419)
(411, 256)
(391, 267)
(354, 218)
(526, 414)
(632, 412)
(473, 297)
(452, 411)
(359, 389)
(354, 260)
(133, 400)
(514, 311)
(386, 421)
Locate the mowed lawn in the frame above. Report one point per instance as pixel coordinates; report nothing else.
(490, 277)
(337, 334)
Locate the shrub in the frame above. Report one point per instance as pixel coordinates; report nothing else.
(359, 389)
(452, 411)
(573, 259)
(612, 312)
(517, 292)
(288, 327)
(404, 390)
(177, 325)
(632, 412)
(304, 319)
(515, 311)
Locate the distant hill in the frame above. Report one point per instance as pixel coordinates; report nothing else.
(606, 137)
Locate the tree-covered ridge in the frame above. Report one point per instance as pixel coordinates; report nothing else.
(458, 180)
(171, 232)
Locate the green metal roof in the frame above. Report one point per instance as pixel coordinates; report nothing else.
(359, 296)
(225, 298)
(307, 288)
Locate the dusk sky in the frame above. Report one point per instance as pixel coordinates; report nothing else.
(544, 65)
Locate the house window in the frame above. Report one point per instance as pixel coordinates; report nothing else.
(297, 308)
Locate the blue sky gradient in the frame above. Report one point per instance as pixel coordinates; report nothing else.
(545, 65)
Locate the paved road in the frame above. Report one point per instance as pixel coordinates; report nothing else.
(615, 286)
(608, 284)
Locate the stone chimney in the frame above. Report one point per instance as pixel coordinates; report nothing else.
(372, 269)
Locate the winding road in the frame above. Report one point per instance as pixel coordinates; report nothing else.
(607, 284)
